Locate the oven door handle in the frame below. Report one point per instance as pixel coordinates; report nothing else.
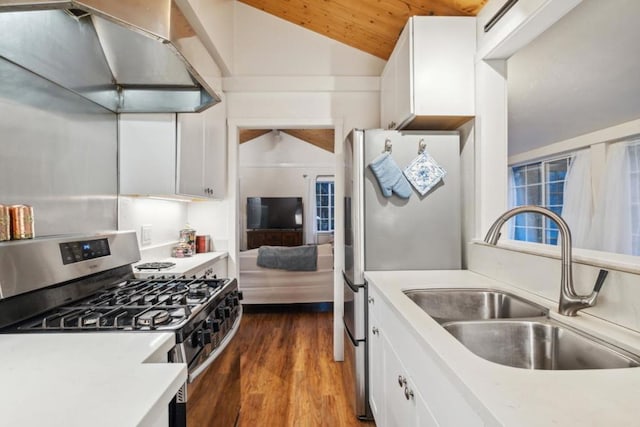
(195, 373)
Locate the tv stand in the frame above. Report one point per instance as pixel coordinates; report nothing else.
(273, 237)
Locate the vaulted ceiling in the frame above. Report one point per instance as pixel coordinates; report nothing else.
(372, 26)
(321, 138)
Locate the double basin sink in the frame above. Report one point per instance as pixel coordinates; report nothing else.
(506, 329)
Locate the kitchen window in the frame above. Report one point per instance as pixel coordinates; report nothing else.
(325, 207)
(542, 184)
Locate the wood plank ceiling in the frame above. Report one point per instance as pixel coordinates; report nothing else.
(321, 138)
(372, 26)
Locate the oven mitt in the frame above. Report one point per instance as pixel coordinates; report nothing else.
(390, 177)
(424, 173)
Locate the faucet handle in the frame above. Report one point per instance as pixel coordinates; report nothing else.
(600, 280)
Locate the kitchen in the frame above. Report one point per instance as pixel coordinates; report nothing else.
(336, 87)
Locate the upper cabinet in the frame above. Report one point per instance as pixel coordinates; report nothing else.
(202, 154)
(171, 155)
(428, 82)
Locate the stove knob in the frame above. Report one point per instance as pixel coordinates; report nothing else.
(227, 312)
(201, 338)
(214, 325)
(219, 313)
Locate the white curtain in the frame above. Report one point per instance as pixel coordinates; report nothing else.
(577, 210)
(310, 211)
(611, 228)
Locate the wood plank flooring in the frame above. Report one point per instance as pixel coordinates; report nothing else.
(289, 377)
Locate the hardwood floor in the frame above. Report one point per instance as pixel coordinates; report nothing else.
(289, 377)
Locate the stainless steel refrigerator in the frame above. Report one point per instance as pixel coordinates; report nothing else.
(391, 233)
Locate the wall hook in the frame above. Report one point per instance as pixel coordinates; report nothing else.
(422, 146)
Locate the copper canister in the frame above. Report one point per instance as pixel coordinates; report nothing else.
(201, 244)
(21, 222)
(5, 223)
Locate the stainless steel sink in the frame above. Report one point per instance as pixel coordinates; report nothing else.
(450, 304)
(539, 344)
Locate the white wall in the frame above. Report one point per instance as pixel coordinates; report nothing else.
(268, 46)
(280, 166)
(213, 22)
(166, 217)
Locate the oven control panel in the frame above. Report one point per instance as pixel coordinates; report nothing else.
(84, 250)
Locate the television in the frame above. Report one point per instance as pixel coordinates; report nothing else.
(274, 213)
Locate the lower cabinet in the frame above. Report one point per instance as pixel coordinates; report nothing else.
(393, 397)
(406, 388)
(405, 405)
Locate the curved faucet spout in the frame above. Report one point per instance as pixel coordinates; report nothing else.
(570, 302)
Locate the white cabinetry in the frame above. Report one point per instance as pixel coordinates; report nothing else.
(376, 362)
(428, 82)
(406, 387)
(147, 154)
(393, 397)
(202, 155)
(173, 155)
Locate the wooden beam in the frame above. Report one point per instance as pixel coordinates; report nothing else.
(321, 138)
(249, 134)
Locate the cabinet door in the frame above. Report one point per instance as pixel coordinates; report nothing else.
(387, 94)
(191, 154)
(376, 368)
(399, 411)
(215, 152)
(147, 154)
(404, 78)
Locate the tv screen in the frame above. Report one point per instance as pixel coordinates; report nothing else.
(274, 212)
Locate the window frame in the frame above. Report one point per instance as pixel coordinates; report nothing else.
(329, 179)
(548, 229)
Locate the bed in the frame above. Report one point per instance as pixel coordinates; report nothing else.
(273, 286)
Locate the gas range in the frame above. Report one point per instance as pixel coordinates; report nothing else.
(140, 304)
(86, 283)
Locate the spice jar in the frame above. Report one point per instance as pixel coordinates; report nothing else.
(21, 222)
(5, 223)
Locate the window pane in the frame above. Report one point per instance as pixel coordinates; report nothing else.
(534, 195)
(324, 205)
(533, 173)
(519, 175)
(533, 187)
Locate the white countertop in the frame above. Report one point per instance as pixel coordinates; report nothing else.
(183, 266)
(86, 379)
(508, 396)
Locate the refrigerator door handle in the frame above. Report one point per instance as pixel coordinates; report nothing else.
(354, 287)
(354, 341)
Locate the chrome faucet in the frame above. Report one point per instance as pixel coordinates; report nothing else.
(570, 302)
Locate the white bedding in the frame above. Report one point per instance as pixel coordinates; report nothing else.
(272, 286)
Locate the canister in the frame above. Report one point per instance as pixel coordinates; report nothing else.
(5, 223)
(188, 236)
(201, 244)
(21, 222)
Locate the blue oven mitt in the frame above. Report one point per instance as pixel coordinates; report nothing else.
(390, 177)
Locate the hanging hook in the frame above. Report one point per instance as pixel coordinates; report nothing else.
(387, 145)
(422, 146)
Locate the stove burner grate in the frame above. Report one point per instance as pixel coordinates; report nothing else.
(155, 265)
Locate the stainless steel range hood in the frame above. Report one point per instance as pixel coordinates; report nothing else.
(128, 56)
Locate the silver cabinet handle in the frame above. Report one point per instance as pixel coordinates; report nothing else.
(371, 300)
(408, 393)
(401, 381)
(392, 125)
(375, 331)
